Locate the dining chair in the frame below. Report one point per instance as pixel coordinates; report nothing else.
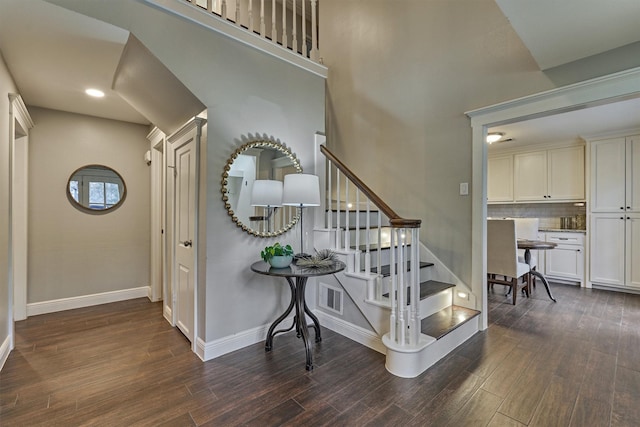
(502, 256)
(527, 228)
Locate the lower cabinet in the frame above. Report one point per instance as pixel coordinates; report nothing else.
(565, 261)
(615, 249)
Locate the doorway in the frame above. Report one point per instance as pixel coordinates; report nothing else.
(183, 173)
(19, 125)
(603, 90)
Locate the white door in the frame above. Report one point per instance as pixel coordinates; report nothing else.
(633, 250)
(608, 249)
(184, 240)
(565, 173)
(633, 174)
(530, 176)
(608, 175)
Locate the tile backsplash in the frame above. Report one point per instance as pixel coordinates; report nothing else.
(549, 213)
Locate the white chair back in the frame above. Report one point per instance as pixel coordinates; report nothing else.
(502, 254)
(527, 228)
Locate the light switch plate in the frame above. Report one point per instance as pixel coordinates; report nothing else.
(464, 188)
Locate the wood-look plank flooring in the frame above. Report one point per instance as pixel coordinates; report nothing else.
(571, 363)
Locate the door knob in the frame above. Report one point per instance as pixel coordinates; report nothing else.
(187, 243)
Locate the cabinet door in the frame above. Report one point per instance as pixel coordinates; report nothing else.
(531, 176)
(500, 179)
(565, 262)
(608, 175)
(566, 173)
(633, 174)
(607, 249)
(632, 263)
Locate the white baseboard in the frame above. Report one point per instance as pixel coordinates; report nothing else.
(356, 333)
(62, 304)
(5, 349)
(211, 350)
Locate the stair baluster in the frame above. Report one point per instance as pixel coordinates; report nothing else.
(294, 32)
(244, 17)
(274, 33)
(337, 208)
(347, 231)
(357, 263)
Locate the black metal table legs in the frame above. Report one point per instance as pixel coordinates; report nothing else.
(299, 320)
(527, 259)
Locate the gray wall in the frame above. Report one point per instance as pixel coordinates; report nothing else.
(72, 253)
(6, 86)
(402, 74)
(247, 93)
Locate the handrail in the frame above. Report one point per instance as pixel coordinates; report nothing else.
(395, 220)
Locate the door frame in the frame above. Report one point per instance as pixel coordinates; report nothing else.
(20, 123)
(157, 270)
(195, 126)
(599, 91)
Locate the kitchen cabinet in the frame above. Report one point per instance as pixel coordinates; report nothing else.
(565, 261)
(614, 201)
(500, 179)
(615, 175)
(549, 175)
(615, 249)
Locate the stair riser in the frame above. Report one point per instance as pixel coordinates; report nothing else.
(362, 215)
(385, 257)
(385, 237)
(425, 274)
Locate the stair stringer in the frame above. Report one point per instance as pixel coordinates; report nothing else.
(356, 286)
(462, 294)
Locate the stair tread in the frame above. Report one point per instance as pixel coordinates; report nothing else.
(446, 320)
(385, 270)
(374, 247)
(428, 288)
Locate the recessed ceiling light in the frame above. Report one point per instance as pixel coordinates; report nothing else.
(94, 92)
(494, 137)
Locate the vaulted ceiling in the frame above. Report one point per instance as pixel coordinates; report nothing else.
(55, 54)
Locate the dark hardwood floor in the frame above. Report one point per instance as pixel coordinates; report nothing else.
(574, 363)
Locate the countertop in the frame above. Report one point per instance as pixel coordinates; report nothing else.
(563, 230)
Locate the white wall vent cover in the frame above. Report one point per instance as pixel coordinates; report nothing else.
(331, 298)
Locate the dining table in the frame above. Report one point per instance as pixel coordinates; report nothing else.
(528, 246)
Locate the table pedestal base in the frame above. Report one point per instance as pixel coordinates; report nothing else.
(299, 320)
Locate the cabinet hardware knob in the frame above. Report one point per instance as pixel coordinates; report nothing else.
(621, 217)
(622, 207)
(628, 207)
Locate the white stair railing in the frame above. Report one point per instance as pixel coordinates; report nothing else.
(296, 17)
(404, 257)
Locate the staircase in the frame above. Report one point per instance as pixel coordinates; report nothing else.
(421, 314)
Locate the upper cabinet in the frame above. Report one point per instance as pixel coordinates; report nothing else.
(500, 179)
(615, 175)
(550, 175)
(553, 175)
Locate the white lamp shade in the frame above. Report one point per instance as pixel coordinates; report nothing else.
(301, 190)
(266, 192)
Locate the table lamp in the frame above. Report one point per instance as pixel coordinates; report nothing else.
(301, 190)
(267, 193)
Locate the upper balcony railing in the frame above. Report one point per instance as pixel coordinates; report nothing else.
(292, 24)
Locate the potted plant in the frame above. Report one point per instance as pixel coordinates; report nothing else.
(277, 255)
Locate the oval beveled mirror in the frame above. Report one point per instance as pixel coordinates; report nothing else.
(258, 160)
(96, 189)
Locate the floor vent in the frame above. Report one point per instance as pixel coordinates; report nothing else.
(331, 298)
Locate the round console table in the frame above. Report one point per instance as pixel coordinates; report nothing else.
(301, 274)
